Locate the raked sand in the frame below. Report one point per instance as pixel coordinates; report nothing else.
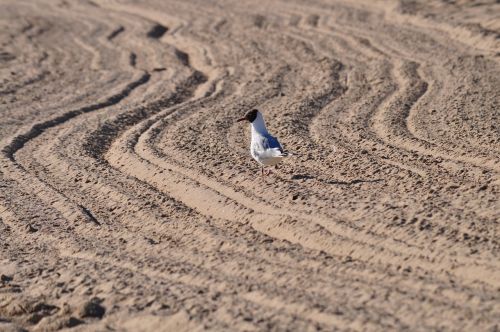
(129, 200)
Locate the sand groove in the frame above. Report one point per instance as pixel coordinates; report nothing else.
(123, 175)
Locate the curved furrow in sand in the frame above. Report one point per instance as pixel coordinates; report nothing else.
(159, 174)
(326, 126)
(323, 316)
(130, 181)
(19, 141)
(428, 116)
(473, 161)
(17, 171)
(391, 123)
(337, 27)
(37, 129)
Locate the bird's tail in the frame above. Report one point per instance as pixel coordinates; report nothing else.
(280, 153)
(286, 154)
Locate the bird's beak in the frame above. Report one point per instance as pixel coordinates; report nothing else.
(242, 119)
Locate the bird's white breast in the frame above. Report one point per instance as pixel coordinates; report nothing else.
(263, 156)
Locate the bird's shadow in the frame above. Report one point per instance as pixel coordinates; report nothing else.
(334, 182)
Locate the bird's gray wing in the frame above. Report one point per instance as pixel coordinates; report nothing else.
(271, 142)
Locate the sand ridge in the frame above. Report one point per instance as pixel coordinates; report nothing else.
(129, 199)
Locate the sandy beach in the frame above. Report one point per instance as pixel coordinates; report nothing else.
(129, 200)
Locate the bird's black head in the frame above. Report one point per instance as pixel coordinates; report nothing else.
(250, 116)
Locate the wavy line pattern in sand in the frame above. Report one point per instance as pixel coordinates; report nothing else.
(124, 176)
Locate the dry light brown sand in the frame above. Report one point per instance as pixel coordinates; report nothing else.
(129, 200)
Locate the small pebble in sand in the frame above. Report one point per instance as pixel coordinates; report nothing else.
(31, 229)
(5, 278)
(93, 308)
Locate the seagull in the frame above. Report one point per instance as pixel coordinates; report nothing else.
(264, 148)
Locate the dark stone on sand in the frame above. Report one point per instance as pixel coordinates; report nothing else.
(157, 31)
(93, 308)
(302, 177)
(31, 229)
(483, 187)
(6, 278)
(41, 310)
(72, 322)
